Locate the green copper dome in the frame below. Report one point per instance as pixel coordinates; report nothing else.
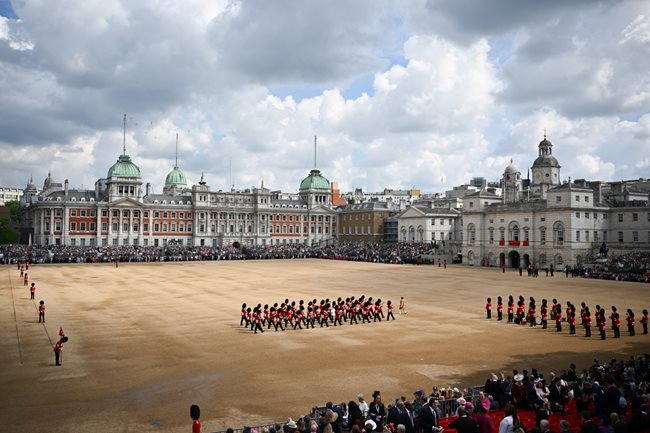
(124, 167)
(176, 177)
(315, 181)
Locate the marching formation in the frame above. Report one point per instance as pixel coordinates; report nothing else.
(524, 314)
(322, 312)
(23, 267)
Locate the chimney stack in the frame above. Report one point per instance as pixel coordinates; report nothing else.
(65, 187)
(148, 188)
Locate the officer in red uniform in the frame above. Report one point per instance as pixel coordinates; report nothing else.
(32, 290)
(57, 352)
(195, 414)
(511, 309)
(390, 314)
(630, 322)
(41, 311)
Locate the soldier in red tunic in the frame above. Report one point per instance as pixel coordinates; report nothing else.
(511, 309)
(488, 308)
(499, 308)
(32, 290)
(41, 311)
(558, 318)
(644, 322)
(389, 306)
(630, 322)
(57, 352)
(617, 325)
(195, 414)
(587, 322)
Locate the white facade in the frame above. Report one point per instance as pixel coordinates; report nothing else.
(553, 223)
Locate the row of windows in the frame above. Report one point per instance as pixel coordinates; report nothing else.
(442, 221)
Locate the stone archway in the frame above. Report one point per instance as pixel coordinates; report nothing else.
(513, 259)
(525, 261)
(502, 259)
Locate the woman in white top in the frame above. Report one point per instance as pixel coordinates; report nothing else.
(508, 422)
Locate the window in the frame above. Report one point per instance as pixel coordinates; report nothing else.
(542, 219)
(635, 217)
(104, 227)
(577, 198)
(587, 215)
(73, 226)
(115, 227)
(173, 227)
(595, 235)
(577, 235)
(526, 235)
(146, 214)
(125, 227)
(57, 226)
(586, 199)
(83, 212)
(189, 227)
(136, 227)
(165, 227)
(156, 227)
(164, 214)
(73, 212)
(145, 227)
(491, 230)
(82, 226)
(471, 204)
(73, 242)
(586, 235)
(558, 199)
(136, 214)
(125, 214)
(104, 213)
(635, 236)
(433, 221)
(577, 214)
(620, 236)
(502, 234)
(620, 218)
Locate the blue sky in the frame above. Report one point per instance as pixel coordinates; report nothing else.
(400, 93)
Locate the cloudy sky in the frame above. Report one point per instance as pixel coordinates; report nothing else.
(424, 93)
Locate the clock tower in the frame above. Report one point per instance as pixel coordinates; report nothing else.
(545, 169)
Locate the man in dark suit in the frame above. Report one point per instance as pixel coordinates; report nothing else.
(557, 396)
(428, 418)
(400, 415)
(464, 424)
(587, 424)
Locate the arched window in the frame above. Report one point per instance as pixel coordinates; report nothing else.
(471, 233)
(558, 233)
(513, 230)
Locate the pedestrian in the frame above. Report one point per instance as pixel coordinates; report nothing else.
(32, 290)
(41, 311)
(57, 352)
(402, 306)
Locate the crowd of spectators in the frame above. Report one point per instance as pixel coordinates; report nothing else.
(608, 397)
(371, 252)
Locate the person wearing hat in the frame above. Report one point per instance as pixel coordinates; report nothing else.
(195, 414)
(377, 411)
(41, 311)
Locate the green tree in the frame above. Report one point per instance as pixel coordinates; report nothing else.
(14, 211)
(8, 235)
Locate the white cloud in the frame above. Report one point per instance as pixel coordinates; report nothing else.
(440, 101)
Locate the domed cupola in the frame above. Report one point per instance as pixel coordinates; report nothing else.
(546, 158)
(315, 180)
(124, 167)
(176, 177)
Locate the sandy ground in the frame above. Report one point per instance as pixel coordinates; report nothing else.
(149, 340)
